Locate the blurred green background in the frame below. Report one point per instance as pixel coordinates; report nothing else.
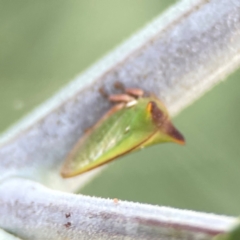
(45, 44)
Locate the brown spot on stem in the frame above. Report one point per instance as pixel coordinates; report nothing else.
(67, 225)
(120, 86)
(103, 92)
(67, 215)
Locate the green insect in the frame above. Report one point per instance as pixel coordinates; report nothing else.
(132, 124)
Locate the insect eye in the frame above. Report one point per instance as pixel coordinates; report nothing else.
(156, 113)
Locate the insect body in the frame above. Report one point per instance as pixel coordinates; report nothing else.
(128, 126)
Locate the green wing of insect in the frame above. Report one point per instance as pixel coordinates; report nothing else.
(124, 129)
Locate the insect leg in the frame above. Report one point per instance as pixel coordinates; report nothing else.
(121, 98)
(134, 92)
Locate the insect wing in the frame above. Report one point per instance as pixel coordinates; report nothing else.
(118, 133)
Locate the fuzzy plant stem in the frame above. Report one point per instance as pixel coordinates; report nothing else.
(36, 212)
(179, 56)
